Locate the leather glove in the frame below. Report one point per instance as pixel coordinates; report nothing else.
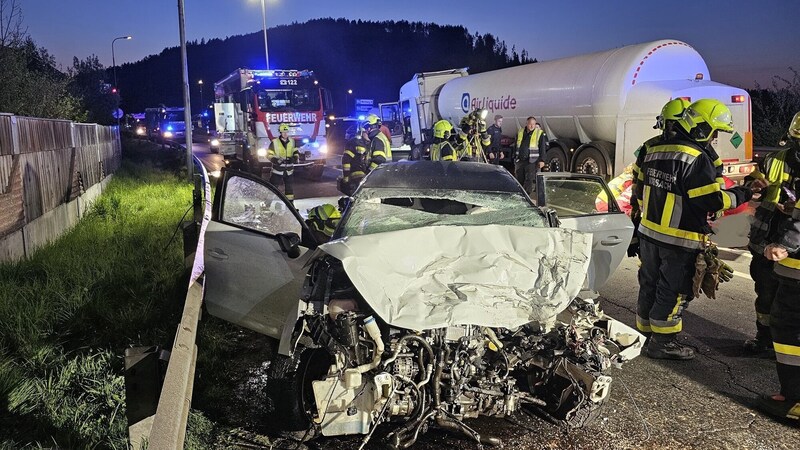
(725, 272)
(700, 267)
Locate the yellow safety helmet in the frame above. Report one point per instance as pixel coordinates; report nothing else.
(672, 110)
(283, 127)
(373, 120)
(442, 129)
(794, 127)
(703, 117)
(324, 218)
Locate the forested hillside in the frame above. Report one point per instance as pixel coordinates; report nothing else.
(372, 58)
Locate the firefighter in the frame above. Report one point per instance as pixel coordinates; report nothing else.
(442, 149)
(529, 154)
(354, 163)
(473, 137)
(679, 190)
(666, 121)
(284, 155)
(322, 220)
(785, 312)
(777, 174)
(380, 149)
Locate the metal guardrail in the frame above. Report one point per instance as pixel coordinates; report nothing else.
(168, 429)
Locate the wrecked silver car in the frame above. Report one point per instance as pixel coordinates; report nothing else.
(445, 294)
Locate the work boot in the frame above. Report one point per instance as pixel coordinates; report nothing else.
(757, 345)
(670, 349)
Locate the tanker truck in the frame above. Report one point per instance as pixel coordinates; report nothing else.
(596, 109)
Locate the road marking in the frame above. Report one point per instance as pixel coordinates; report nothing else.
(742, 274)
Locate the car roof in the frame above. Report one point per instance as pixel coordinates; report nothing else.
(470, 176)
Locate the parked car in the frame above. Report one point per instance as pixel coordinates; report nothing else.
(445, 293)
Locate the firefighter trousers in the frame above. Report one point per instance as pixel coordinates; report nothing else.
(665, 288)
(765, 285)
(785, 327)
(288, 182)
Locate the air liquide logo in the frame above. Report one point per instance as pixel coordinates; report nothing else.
(465, 102)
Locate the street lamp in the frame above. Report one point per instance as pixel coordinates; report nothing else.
(113, 57)
(200, 82)
(264, 25)
(347, 104)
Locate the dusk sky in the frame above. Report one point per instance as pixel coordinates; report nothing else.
(741, 41)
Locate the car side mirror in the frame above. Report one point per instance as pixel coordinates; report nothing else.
(289, 243)
(552, 216)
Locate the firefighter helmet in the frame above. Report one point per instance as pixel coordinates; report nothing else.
(283, 127)
(442, 129)
(373, 120)
(324, 218)
(704, 117)
(794, 128)
(672, 110)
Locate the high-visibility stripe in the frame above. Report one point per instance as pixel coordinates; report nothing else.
(794, 413)
(674, 149)
(675, 232)
(728, 200)
(721, 182)
(669, 156)
(786, 349)
(666, 214)
(786, 270)
(670, 329)
(643, 325)
(790, 262)
(672, 240)
(717, 162)
(704, 190)
(675, 310)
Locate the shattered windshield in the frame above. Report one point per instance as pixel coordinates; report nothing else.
(382, 210)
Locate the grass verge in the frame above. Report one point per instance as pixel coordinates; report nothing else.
(66, 314)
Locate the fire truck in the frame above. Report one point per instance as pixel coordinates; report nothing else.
(251, 104)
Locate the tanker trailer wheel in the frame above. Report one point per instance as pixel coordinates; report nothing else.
(556, 160)
(591, 161)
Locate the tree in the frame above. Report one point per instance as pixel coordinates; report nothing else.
(12, 34)
(774, 107)
(87, 82)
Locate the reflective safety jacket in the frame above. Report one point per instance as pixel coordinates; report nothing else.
(285, 152)
(380, 149)
(535, 148)
(788, 236)
(642, 152)
(354, 164)
(775, 171)
(443, 151)
(679, 190)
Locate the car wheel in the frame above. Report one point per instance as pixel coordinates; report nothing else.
(289, 393)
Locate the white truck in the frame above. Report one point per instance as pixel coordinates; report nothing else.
(596, 109)
(251, 104)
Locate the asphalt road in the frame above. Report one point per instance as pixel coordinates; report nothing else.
(704, 403)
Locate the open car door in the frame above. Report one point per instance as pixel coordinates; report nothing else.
(584, 203)
(256, 246)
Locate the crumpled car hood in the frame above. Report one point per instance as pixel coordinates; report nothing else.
(490, 275)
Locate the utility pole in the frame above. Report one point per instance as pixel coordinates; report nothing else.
(187, 106)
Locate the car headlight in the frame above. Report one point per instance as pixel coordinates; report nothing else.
(215, 142)
(140, 131)
(168, 134)
(262, 153)
(323, 148)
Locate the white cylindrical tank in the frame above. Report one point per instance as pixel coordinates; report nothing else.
(579, 97)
